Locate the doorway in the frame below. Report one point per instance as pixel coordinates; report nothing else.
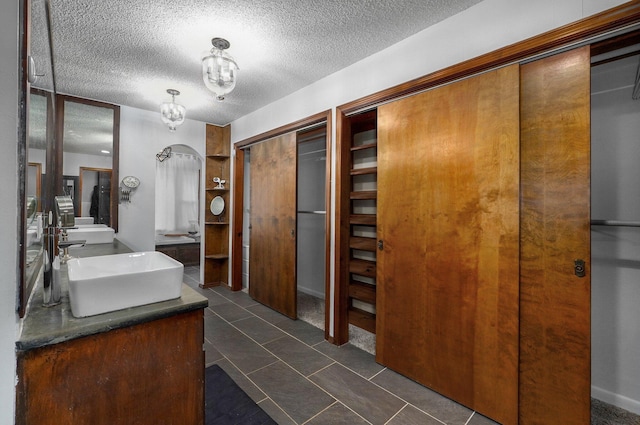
(309, 201)
(311, 226)
(94, 195)
(178, 204)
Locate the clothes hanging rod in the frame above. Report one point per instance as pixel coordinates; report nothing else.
(618, 223)
(312, 212)
(313, 152)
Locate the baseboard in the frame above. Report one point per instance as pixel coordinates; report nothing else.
(312, 292)
(617, 400)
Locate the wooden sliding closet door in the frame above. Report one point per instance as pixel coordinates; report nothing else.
(272, 251)
(555, 304)
(448, 177)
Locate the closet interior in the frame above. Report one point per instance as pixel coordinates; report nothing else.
(311, 226)
(615, 221)
(363, 195)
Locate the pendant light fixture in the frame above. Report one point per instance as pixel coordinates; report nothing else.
(172, 113)
(219, 70)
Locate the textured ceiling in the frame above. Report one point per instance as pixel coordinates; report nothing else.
(128, 52)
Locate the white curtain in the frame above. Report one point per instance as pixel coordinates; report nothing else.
(177, 182)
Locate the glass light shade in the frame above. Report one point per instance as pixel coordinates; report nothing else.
(219, 72)
(172, 114)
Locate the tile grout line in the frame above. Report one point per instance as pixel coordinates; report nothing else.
(279, 408)
(266, 321)
(266, 396)
(397, 413)
(374, 376)
(278, 359)
(333, 404)
(469, 420)
(335, 361)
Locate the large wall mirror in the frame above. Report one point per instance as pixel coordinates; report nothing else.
(88, 136)
(68, 146)
(37, 136)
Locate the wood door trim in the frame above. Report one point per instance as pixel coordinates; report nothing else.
(82, 170)
(115, 151)
(287, 128)
(582, 30)
(238, 219)
(341, 260)
(38, 182)
(328, 334)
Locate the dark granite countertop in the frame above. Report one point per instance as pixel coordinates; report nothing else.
(43, 326)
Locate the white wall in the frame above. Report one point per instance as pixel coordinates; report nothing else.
(9, 208)
(485, 27)
(38, 155)
(142, 136)
(480, 29)
(72, 162)
(615, 277)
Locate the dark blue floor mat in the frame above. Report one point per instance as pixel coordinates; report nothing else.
(226, 403)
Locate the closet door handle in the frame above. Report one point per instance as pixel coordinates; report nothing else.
(579, 268)
(380, 244)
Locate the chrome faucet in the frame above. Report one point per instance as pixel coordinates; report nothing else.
(64, 244)
(57, 231)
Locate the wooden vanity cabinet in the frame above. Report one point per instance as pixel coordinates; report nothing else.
(149, 373)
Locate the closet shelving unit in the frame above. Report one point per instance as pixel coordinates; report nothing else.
(216, 231)
(362, 221)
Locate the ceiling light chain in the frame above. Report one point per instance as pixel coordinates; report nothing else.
(219, 69)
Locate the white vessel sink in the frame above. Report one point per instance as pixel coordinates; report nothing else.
(83, 220)
(93, 235)
(115, 282)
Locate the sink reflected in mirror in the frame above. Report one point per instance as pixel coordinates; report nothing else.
(114, 282)
(92, 233)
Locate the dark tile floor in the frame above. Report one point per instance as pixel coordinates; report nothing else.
(297, 377)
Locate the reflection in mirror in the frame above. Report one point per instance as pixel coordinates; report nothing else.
(90, 161)
(34, 191)
(39, 116)
(36, 127)
(95, 194)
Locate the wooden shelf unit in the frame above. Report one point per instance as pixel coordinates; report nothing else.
(361, 290)
(216, 228)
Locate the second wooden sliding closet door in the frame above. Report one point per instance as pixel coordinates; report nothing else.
(448, 220)
(272, 256)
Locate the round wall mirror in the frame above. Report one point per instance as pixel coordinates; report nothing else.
(217, 205)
